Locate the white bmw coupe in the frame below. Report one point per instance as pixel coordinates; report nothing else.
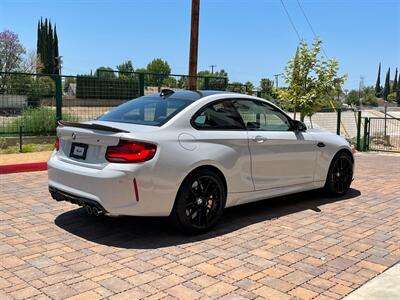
(190, 154)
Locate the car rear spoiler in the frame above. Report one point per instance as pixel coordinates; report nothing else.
(90, 126)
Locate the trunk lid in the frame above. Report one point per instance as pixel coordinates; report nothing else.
(86, 143)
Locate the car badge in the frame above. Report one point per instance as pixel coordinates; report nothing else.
(73, 136)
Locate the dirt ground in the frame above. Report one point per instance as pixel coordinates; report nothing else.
(8, 159)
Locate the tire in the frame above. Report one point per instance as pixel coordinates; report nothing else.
(340, 175)
(200, 202)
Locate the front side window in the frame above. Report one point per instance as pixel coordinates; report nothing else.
(153, 111)
(261, 116)
(218, 116)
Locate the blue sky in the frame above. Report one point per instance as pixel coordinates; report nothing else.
(251, 39)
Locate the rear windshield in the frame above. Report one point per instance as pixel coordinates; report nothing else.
(154, 111)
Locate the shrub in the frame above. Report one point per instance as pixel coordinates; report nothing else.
(392, 96)
(89, 87)
(36, 121)
(41, 87)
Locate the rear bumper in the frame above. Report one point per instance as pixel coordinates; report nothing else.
(111, 187)
(74, 199)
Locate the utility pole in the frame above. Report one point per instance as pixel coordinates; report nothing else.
(212, 68)
(360, 90)
(276, 79)
(194, 43)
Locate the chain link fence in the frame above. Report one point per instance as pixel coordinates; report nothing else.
(30, 104)
(27, 104)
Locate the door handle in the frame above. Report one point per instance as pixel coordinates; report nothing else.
(259, 139)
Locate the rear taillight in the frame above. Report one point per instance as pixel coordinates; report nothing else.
(130, 152)
(57, 144)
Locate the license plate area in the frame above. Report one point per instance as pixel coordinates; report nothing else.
(78, 151)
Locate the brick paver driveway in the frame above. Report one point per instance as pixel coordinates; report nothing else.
(302, 246)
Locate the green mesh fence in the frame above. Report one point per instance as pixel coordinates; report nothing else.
(27, 104)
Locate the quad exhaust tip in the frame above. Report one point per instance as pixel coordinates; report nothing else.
(91, 207)
(89, 210)
(95, 211)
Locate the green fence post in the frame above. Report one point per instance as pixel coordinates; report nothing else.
(359, 131)
(141, 84)
(206, 83)
(58, 83)
(226, 82)
(259, 94)
(365, 134)
(339, 117)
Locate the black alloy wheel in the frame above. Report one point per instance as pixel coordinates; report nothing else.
(200, 202)
(340, 175)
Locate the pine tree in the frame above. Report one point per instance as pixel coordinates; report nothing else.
(386, 89)
(398, 97)
(378, 87)
(56, 54)
(47, 46)
(395, 83)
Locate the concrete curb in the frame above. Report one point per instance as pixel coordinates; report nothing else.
(19, 168)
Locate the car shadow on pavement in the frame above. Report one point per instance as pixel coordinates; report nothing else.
(151, 232)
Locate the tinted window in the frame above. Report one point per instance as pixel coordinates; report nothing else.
(220, 115)
(261, 116)
(153, 111)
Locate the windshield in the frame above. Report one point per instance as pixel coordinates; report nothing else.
(148, 110)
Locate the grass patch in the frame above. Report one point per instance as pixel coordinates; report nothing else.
(36, 121)
(27, 148)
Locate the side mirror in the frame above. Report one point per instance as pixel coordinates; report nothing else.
(299, 126)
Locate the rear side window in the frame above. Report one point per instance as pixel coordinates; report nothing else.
(154, 111)
(218, 116)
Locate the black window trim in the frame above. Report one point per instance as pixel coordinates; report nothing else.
(217, 129)
(291, 123)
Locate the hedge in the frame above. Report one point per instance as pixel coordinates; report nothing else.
(90, 87)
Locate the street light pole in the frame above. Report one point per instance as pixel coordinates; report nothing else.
(194, 43)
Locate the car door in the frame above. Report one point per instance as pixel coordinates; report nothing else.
(280, 156)
(222, 137)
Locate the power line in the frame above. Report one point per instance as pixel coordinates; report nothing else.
(290, 20)
(311, 27)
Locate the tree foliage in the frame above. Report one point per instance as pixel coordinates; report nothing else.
(249, 86)
(170, 82)
(217, 80)
(366, 96)
(386, 89)
(312, 80)
(378, 87)
(160, 70)
(395, 86)
(125, 68)
(47, 47)
(11, 51)
(398, 97)
(353, 98)
(267, 86)
(105, 72)
(237, 87)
